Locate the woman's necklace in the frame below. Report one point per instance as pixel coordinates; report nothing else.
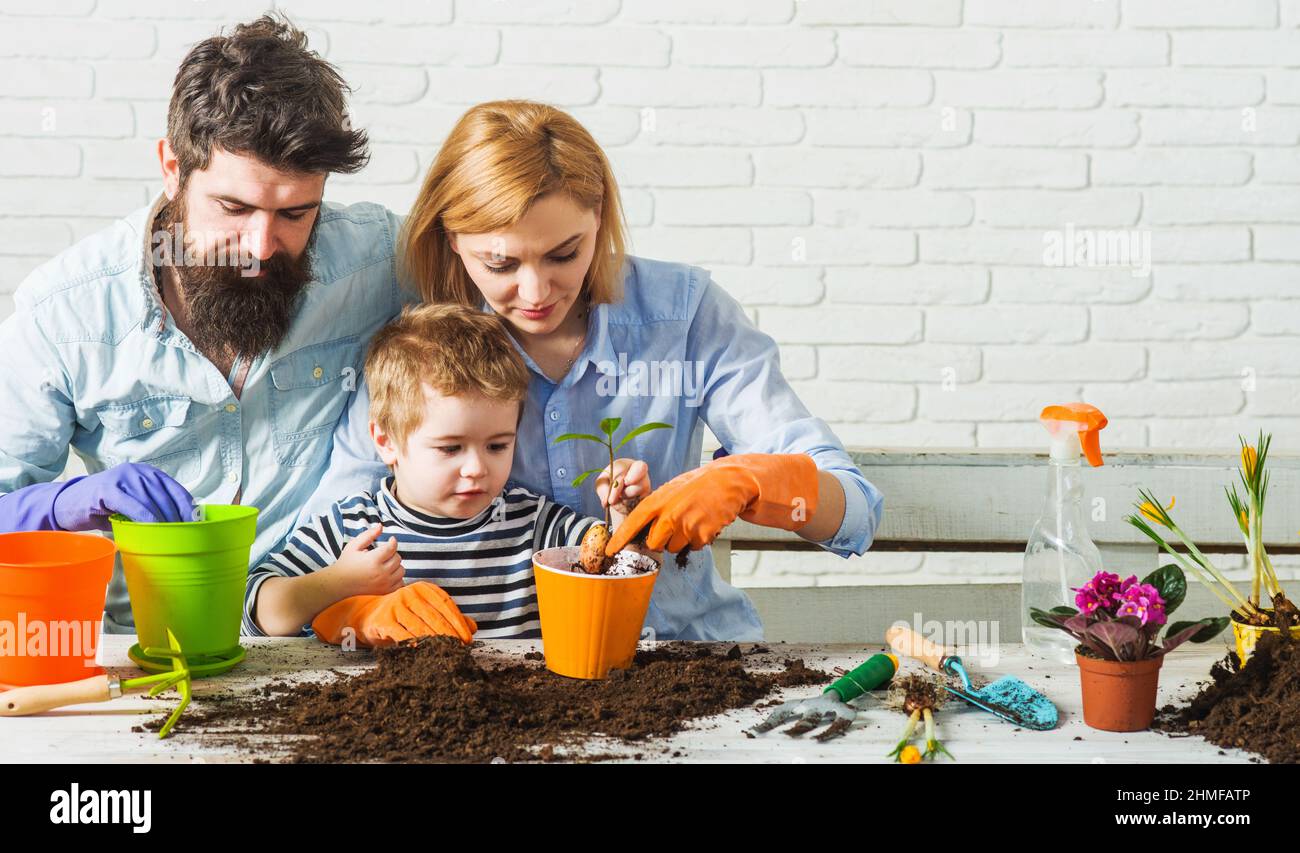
(577, 347)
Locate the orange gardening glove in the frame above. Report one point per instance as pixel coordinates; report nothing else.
(420, 609)
(774, 490)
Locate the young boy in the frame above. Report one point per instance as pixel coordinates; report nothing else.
(447, 391)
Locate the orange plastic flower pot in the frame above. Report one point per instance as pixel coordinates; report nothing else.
(52, 588)
(1119, 696)
(590, 623)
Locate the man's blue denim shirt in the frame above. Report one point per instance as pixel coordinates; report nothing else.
(93, 362)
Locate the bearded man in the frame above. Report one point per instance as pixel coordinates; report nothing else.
(201, 350)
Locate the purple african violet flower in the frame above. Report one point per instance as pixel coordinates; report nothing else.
(1124, 586)
(1143, 601)
(1107, 584)
(1086, 600)
(1098, 593)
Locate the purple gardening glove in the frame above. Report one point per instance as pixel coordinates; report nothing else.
(140, 492)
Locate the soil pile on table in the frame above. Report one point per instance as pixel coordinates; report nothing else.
(1255, 707)
(433, 701)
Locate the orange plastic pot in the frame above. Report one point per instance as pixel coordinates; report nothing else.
(1119, 696)
(52, 588)
(590, 623)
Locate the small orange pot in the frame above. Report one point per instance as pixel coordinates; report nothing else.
(590, 623)
(1119, 696)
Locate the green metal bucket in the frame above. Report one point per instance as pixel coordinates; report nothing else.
(189, 576)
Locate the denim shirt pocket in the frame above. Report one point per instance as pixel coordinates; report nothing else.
(151, 431)
(310, 388)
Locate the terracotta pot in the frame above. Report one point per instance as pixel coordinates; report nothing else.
(1119, 696)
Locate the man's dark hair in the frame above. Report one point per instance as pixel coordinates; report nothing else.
(259, 91)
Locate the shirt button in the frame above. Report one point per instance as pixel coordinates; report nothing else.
(147, 423)
(317, 373)
(232, 408)
(232, 477)
(555, 416)
(560, 472)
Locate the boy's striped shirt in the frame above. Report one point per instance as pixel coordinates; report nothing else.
(484, 563)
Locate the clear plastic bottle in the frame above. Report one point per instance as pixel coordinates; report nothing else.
(1060, 555)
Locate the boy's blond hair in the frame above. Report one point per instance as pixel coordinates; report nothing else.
(451, 348)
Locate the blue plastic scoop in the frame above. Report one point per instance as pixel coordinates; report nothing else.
(1009, 698)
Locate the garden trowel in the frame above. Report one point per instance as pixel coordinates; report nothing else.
(1009, 698)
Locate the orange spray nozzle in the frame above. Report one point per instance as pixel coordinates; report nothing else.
(1085, 420)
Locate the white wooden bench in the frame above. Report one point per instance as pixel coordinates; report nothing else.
(987, 501)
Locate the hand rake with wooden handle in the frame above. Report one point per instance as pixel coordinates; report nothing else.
(21, 701)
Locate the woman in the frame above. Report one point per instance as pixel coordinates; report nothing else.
(520, 215)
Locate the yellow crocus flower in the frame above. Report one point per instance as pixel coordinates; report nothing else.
(1153, 512)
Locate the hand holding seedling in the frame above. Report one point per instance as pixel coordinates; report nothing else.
(620, 485)
(363, 570)
(631, 477)
(631, 481)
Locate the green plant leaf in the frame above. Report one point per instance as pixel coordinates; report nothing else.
(1216, 626)
(1064, 611)
(1171, 583)
(1213, 627)
(1122, 638)
(570, 436)
(1047, 619)
(1141, 524)
(582, 478)
(643, 428)
(608, 425)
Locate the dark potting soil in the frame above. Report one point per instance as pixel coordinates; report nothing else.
(434, 701)
(1255, 707)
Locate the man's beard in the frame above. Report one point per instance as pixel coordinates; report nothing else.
(229, 312)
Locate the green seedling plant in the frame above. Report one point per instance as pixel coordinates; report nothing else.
(608, 427)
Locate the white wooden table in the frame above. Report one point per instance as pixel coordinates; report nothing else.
(102, 733)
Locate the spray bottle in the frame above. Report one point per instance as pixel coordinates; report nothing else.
(1060, 555)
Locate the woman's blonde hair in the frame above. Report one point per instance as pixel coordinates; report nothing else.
(499, 159)
(453, 349)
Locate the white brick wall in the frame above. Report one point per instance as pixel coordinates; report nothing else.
(876, 181)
